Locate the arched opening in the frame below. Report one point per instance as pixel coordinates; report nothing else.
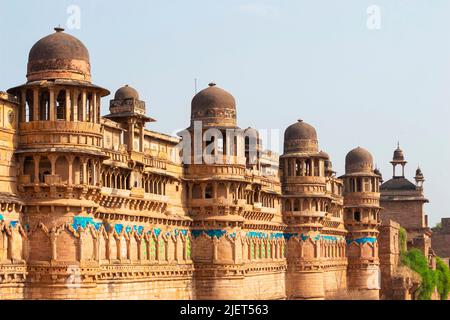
(357, 216)
(45, 168)
(287, 205)
(80, 107)
(358, 185)
(197, 192)
(61, 105)
(88, 107)
(209, 191)
(297, 205)
(77, 171)
(29, 103)
(222, 190)
(44, 106)
(28, 168)
(62, 168)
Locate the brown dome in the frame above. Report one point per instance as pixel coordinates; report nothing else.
(398, 154)
(300, 137)
(58, 56)
(214, 106)
(126, 92)
(358, 160)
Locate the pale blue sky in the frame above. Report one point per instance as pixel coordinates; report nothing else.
(282, 60)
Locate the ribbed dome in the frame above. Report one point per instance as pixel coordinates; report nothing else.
(358, 160)
(214, 106)
(58, 56)
(300, 137)
(126, 92)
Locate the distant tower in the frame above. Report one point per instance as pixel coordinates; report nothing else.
(362, 219)
(398, 159)
(419, 178)
(403, 201)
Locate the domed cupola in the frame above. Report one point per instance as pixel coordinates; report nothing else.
(126, 92)
(358, 160)
(300, 137)
(398, 154)
(59, 56)
(214, 107)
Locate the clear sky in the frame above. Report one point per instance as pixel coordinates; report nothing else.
(326, 62)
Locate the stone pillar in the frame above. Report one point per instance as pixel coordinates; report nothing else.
(36, 168)
(85, 179)
(94, 108)
(141, 138)
(131, 135)
(23, 105)
(75, 105)
(70, 161)
(82, 115)
(98, 107)
(68, 105)
(35, 104)
(52, 115)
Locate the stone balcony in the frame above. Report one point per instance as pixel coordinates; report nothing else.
(53, 133)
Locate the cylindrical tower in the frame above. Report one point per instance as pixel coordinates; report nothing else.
(305, 205)
(59, 153)
(362, 219)
(215, 193)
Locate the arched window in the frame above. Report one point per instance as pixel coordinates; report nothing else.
(61, 105)
(44, 106)
(197, 192)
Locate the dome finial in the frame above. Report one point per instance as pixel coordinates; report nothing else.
(58, 28)
(300, 120)
(211, 84)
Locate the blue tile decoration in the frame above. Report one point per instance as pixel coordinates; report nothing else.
(255, 234)
(278, 235)
(128, 229)
(211, 233)
(118, 227)
(1, 217)
(82, 222)
(362, 240)
(13, 224)
(157, 231)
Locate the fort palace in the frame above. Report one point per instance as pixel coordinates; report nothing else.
(99, 207)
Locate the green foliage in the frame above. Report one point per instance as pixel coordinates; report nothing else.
(402, 239)
(443, 278)
(415, 260)
(437, 226)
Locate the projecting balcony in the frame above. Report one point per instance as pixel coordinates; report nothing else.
(50, 133)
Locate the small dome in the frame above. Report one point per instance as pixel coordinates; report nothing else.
(58, 56)
(214, 106)
(419, 173)
(126, 92)
(398, 154)
(358, 160)
(300, 137)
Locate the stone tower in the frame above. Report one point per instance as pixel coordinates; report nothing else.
(59, 156)
(362, 220)
(403, 201)
(312, 210)
(229, 210)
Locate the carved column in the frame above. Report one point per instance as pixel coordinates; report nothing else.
(68, 105)
(35, 104)
(52, 115)
(36, 168)
(70, 162)
(23, 104)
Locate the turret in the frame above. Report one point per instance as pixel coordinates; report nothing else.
(362, 220)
